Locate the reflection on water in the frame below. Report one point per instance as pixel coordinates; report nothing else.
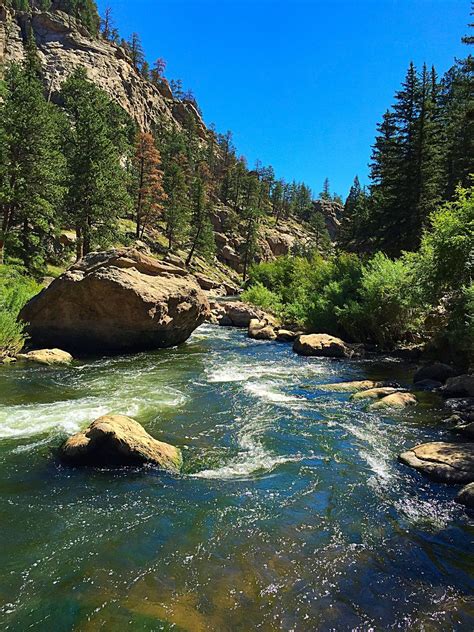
(292, 512)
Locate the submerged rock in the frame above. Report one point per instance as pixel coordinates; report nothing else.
(117, 301)
(395, 400)
(46, 356)
(321, 345)
(442, 461)
(466, 496)
(375, 393)
(116, 440)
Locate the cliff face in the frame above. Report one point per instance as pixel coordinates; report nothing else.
(63, 45)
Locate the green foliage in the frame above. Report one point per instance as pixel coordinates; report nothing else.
(15, 291)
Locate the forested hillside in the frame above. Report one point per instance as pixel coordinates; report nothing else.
(86, 164)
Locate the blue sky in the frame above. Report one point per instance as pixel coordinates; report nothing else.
(301, 83)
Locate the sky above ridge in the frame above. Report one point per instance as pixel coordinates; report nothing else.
(301, 83)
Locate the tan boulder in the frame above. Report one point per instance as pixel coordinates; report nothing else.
(46, 356)
(239, 314)
(375, 393)
(116, 301)
(395, 400)
(357, 385)
(285, 335)
(116, 440)
(445, 462)
(321, 345)
(261, 330)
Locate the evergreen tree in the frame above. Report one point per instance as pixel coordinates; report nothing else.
(31, 166)
(176, 208)
(326, 192)
(137, 54)
(96, 184)
(150, 193)
(202, 234)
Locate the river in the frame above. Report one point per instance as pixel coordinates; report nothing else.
(292, 512)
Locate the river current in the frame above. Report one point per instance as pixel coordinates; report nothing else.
(292, 512)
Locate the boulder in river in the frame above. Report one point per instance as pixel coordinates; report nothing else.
(239, 314)
(46, 356)
(261, 330)
(436, 371)
(397, 400)
(115, 441)
(375, 393)
(321, 345)
(116, 301)
(459, 386)
(442, 461)
(358, 385)
(285, 335)
(466, 496)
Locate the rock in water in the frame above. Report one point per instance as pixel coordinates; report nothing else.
(358, 385)
(115, 302)
(375, 393)
(460, 386)
(466, 496)
(260, 330)
(445, 462)
(436, 371)
(46, 356)
(116, 440)
(321, 345)
(396, 400)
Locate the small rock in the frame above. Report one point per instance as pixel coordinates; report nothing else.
(116, 440)
(442, 461)
(396, 400)
(436, 371)
(459, 386)
(321, 345)
(375, 393)
(260, 330)
(466, 496)
(358, 385)
(285, 335)
(46, 356)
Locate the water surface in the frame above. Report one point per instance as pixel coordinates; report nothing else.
(292, 512)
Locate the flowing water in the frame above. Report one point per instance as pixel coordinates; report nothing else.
(292, 512)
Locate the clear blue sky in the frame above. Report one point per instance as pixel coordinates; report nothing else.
(301, 83)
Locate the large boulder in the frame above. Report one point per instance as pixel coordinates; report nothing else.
(322, 345)
(395, 400)
(460, 386)
(48, 357)
(444, 462)
(116, 301)
(115, 441)
(437, 372)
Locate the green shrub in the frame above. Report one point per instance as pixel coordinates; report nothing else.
(15, 291)
(262, 297)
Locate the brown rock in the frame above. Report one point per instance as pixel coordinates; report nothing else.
(116, 440)
(396, 400)
(117, 301)
(285, 335)
(261, 330)
(46, 356)
(240, 314)
(375, 393)
(321, 345)
(445, 462)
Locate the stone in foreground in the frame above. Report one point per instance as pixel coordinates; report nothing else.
(396, 400)
(321, 345)
(116, 301)
(115, 441)
(466, 496)
(444, 462)
(46, 356)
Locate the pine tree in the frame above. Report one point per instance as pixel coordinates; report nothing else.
(202, 234)
(136, 51)
(326, 192)
(322, 240)
(96, 191)
(176, 208)
(150, 193)
(31, 165)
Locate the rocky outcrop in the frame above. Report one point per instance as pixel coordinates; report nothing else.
(395, 400)
(115, 441)
(322, 345)
(444, 462)
(332, 212)
(64, 45)
(117, 301)
(48, 357)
